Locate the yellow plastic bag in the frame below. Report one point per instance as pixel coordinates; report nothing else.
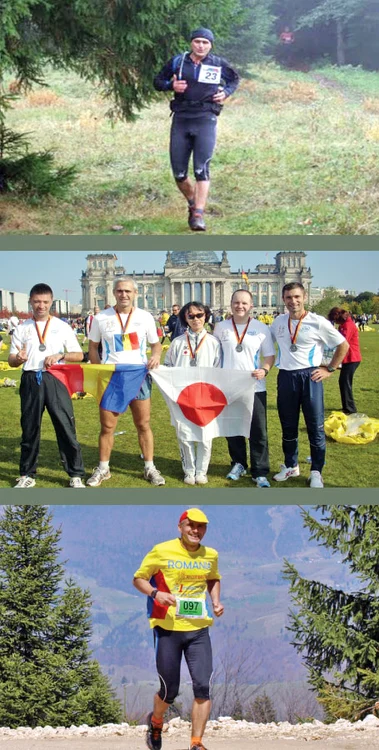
(353, 429)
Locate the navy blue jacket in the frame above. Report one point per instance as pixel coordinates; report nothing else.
(198, 96)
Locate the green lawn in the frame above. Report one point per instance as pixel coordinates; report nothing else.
(346, 465)
(297, 154)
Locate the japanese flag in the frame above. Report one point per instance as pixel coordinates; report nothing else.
(207, 402)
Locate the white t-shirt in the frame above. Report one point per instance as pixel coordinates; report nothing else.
(314, 335)
(209, 355)
(257, 343)
(59, 338)
(129, 349)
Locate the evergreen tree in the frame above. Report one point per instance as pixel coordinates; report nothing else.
(47, 675)
(119, 44)
(344, 30)
(338, 630)
(341, 14)
(250, 33)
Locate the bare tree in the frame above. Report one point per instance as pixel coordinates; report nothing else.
(233, 680)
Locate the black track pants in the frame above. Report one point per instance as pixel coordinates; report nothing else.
(52, 395)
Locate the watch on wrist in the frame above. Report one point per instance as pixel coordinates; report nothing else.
(331, 369)
(266, 371)
(153, 593)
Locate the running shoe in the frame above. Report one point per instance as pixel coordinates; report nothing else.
(196, 221)
(98, 476)
(154, 476)
(76, 483)
(201, 479)
(153, 735)
(197, 747)
(24, 483)
(189, 479)
(286, 473)
(315, 480)
(236, 472)
(261, 481)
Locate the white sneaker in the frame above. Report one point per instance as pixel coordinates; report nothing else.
(201, 479)
(286, 473)
(236, 472)
(24, 482)
(315, 480)
(261, 482)
(76, 483)
(189, 479)
(154, 476)
(98, 476)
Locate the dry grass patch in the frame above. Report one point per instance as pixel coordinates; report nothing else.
(372, 133)
(41, 98)
(371, 105)
(16, 217)
(249, 86)
(296, 91)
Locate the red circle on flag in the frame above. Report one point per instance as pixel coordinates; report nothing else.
(201, 403)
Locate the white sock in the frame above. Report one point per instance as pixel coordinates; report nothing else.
(149, 464)
(103, 465)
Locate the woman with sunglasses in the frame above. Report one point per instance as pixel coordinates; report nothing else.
(196, 347)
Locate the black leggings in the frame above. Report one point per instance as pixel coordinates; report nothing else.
(170, 645)
(195, 135)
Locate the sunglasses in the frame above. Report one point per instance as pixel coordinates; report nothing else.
(196, 315)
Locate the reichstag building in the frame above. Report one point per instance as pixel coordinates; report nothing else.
(195, 275)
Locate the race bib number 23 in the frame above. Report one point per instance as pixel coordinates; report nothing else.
(209, 74)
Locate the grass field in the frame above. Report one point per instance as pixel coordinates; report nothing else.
(346, 465)
(297, 154)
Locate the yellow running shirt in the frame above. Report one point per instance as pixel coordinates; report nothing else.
(171, 568)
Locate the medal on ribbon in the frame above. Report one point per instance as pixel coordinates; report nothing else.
(126, 337)
(42, 337)
(193, 352)
(293, 347)
(239, 347)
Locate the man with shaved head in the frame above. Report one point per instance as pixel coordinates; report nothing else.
(124, 331)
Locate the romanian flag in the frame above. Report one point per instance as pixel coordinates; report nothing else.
(244, 276)
(126, 342)
(114, 386)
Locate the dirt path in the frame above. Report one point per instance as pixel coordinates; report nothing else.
(175, 743)
(330, 83)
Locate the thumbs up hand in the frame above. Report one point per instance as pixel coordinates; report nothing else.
(21, 353)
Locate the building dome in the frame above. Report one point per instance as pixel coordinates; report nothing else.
(185, 257)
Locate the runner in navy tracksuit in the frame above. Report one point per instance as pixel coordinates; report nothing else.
(201, 82)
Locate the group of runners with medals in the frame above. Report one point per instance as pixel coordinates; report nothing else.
(240, 342)
(246, 343)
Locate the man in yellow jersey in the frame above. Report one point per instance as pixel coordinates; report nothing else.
(176, 576)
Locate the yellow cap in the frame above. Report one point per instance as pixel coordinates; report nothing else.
(194, 514)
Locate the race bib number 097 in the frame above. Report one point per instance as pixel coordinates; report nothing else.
(190, 608)
(209, 74)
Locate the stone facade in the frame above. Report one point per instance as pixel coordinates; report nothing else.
(195, 275)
